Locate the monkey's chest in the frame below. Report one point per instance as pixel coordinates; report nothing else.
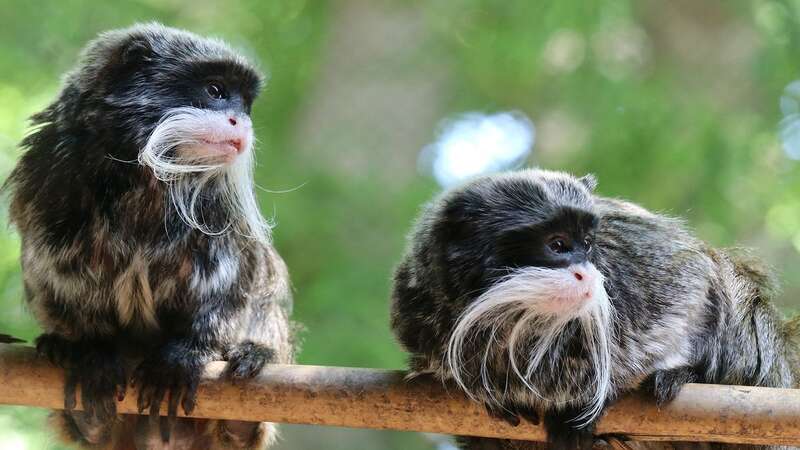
(135, 299)
(148, 292)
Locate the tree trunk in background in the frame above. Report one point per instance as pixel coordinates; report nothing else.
(379, 93)
(376, 102)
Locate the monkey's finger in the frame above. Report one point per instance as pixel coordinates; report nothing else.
(503, 414)
(121, 390)
(104, 407)
(89, 406)
(155, 402)
(247, 367)
(139, 374)
(108, 401)
(172, 405)
(512, 420)
(70, 386)
(155, 417)
(44, 347)
(111, 407)
(189, 396)
(529, 415)
(96, 395)
(172, 412)
(232, 367)
(165, 428)
(121, 383)
(145, 398)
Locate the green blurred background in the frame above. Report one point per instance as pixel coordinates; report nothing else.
(682, 106)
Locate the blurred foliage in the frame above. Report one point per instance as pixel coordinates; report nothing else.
(672, 104)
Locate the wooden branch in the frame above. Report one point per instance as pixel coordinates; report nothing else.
(381, 399)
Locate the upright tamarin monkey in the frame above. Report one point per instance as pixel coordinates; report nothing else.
(544, 301)
(142, 240)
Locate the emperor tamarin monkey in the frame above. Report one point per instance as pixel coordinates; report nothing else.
(142, 239)
(541, 299)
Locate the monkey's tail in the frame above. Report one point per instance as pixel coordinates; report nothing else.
(8, 339)
(791, 335)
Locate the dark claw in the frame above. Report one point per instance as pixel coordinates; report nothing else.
(190, 396)
(122, 385)
(91, 364)
(88, 404)
(155, 410)
(155, 402)
(504, 413)
(158, 379)
(172, 407)
(145, 393)
(513, 414)
(529, 414)
(70, 388)
(120, 394)
(165, 425)
(56, 349)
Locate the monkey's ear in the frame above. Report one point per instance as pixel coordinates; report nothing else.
(125, 59)
(589, 181)
(135, 51)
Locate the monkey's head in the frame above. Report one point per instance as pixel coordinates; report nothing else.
(511, 259)
(176, 103)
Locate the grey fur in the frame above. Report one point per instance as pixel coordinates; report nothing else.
(112, 273)
(681, 310)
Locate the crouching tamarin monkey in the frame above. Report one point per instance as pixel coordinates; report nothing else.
(544, 301)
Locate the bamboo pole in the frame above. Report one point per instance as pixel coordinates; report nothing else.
(382, 399)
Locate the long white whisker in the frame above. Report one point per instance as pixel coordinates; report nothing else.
(281, 191)
(192, 179)
(534, 300)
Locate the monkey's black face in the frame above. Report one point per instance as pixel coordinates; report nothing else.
(134, 81)
(515, 257)
(154, 83)
(562, 240)
(496, 227)
(179, 104)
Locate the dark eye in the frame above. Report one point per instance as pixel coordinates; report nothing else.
(587, 241)
(215, 90)
(558, 245)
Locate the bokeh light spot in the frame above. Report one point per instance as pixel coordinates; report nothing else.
(474, 144)
(790, 124)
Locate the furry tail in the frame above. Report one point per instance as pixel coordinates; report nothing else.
(791, 334)
(777, 340)
(8, 339)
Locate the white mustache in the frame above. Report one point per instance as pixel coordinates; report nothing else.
(543, 302)
(187, 176)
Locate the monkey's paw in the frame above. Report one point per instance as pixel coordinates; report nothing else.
(664, 385)
(175, 379)
(56, 349)
(246, 359)
(94, 366)
(157, 378)
(513, 414)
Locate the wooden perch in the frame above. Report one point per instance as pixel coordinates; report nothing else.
(381, 399)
